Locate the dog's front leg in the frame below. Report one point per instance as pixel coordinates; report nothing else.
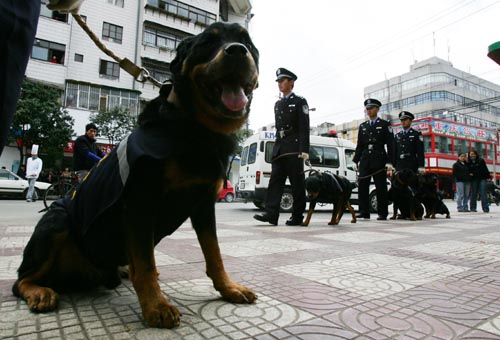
(204, 224)
(156, 309)
(312, 205)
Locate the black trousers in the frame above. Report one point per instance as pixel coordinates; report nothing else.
(18, 22)
(380, 180)
(293, 168)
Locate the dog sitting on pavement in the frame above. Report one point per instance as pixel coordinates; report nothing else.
(430, 197)
(326, 187)
(403, 194)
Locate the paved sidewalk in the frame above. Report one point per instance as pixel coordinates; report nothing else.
(432, 279)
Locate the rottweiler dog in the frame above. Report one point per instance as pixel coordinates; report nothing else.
(150, 184)
(403, 194)
(325, 187)
(431, 198)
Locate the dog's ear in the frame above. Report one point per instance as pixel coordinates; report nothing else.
(181, 54)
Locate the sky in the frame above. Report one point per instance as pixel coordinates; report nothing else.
(337, 48)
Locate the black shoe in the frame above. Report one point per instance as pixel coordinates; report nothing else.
(381, 218)
(365, 216)
(294, 221)
(266, 218)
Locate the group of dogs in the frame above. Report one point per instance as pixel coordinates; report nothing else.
(410, 192)
(138, 194)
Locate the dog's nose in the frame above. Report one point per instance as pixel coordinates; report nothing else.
(236, 49)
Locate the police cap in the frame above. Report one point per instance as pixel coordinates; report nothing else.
(406, 115)
(284, 73)
(370, 102)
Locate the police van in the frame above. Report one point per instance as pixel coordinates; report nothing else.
(325, 154)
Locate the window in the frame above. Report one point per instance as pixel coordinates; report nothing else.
(79, 58)
(158, 70)
(48, 51)
(443, 145)
(112, 32)
(461, 145)
(109, 69)
(324, 156)
(269, 152)
(45, 12)
(187, 12)
(118, 3)
(244, 155)
(161, 37)
(97, 98)
(349, 155)
(252, 153)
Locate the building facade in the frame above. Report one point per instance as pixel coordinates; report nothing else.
(146, 32)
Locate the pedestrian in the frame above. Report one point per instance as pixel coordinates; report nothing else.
(479, 174)
(33, 169)
(372, 159)
(290, 151)
(462, 182)
(409, 146)
(18, 24)
(86, 153)
(21, 172)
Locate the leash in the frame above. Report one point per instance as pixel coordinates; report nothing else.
(370, 175)
(140, 74)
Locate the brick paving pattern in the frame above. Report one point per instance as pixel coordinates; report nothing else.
(431, 279)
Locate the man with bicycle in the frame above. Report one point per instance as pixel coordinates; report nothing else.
(86, 152)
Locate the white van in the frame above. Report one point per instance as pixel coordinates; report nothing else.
(326, 154)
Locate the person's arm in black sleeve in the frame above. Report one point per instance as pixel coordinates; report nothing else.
(389, 140)
(359, 148)
(420, 153)
(304, 127)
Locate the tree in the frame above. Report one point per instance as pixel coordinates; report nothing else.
(40, 119)
(114, 124)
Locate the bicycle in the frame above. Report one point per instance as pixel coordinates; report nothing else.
(60, 189)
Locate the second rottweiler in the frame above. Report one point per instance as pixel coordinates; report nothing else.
(329, 188)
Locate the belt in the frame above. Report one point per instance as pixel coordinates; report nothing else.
(404, 155)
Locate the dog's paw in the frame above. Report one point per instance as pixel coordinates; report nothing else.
(332, 223)
(161, 315)
(238, 294)
(41, 299)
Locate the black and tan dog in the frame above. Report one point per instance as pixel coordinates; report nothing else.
(325, 187)
(403, 194)
(430, 196)
(150, 184)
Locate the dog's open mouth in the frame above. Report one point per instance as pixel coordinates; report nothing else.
(234, 98)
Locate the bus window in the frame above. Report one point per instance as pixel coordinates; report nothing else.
(427, 144)
(244, 155)
(252, 153)
(479, 148)
(491, 150)
(461, 145)
(443, 144)
(269, 152)
(331, 157)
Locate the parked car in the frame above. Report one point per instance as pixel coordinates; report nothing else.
(14, 186)
(227, 194)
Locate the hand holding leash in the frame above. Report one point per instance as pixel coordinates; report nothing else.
(304, 156)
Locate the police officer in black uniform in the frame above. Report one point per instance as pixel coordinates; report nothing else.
(290, 151)
(409, 146)
(374, 161)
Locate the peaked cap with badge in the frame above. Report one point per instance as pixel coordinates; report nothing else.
(406, 115)
(284, 73)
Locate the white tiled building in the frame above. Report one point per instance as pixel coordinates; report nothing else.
(144, 31)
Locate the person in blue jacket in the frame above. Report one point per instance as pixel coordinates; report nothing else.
(86, 152)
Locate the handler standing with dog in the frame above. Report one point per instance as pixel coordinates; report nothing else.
(290, 151)
(374, 161)
(409, 146)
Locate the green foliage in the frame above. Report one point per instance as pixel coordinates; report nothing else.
(114, 125)
(49, 124)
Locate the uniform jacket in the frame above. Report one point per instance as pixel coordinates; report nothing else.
(370, 150)
(84, 145)
(409, 150)
(478, 169)
(33, 167)
(292, 125)
(461, 172)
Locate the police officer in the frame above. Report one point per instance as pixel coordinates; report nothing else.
(290, 151)
(374, 161)
(409, 146)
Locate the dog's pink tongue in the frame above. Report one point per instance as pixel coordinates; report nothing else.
(234, 99)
